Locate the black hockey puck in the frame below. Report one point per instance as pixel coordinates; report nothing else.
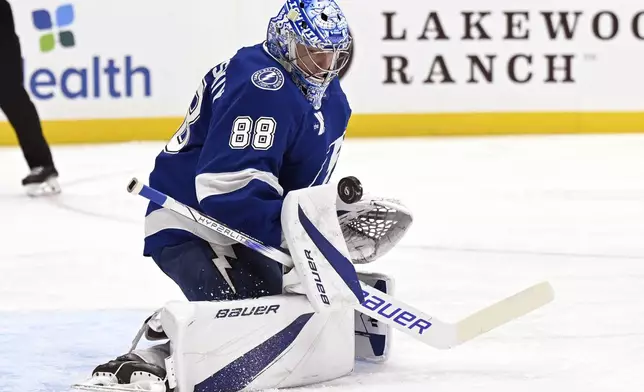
(350, 190)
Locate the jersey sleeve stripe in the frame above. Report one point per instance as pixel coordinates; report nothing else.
(212, 184)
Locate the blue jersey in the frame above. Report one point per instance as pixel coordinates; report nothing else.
(249, 138)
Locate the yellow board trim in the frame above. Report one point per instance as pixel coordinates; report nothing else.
(361, 125)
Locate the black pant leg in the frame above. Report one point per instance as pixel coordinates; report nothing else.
(191, 266)
(18, 106)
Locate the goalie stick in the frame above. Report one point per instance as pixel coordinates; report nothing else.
(378, 305)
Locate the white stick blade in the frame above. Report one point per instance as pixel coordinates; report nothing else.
(504, 311)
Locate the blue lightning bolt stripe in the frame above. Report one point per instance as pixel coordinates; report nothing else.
(340, 264)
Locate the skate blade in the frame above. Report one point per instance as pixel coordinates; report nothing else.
(104, 388)
(48, 188)
(150, 387)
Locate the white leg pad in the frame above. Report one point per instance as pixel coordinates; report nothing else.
(269, 342)
(373, 338)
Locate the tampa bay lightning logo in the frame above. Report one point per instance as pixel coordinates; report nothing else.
(269, 78)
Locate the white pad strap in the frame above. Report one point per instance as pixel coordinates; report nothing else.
(170, 373)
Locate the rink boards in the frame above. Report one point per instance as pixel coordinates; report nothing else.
(361, 125)
(451, 68)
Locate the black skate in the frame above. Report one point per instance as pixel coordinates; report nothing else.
(42, 180)
(127, 373)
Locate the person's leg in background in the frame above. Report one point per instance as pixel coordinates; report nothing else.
(21, 112)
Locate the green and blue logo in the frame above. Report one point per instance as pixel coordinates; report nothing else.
(97, 77)
(55, 27)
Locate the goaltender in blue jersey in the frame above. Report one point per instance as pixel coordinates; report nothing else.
(266, 122)
(269, 120)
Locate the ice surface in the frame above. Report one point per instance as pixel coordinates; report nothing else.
(492, 216)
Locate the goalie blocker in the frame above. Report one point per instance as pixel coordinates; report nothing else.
(307, 335)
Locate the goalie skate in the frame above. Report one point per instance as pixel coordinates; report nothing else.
(127, 373)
